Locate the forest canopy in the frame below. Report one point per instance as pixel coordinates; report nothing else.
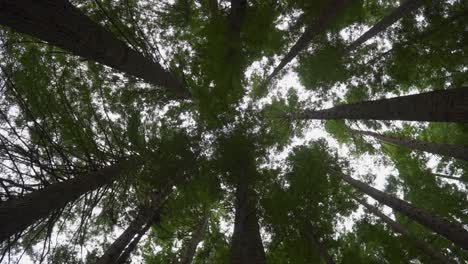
(240, 131)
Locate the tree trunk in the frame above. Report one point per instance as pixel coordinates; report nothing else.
(17, 214)
(316, 26)
(236, 20)
(63, 25)
(131, 247)
(438, 106)
(197, 236)
(213, 7)
(398, 228)
(246, 243)
(234, 51)
(407, 7)
(236, 15)
(455, 151)
(146, 216)
(117, 248)
(452, 231)
(318, 244)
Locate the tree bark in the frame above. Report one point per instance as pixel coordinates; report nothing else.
(131, 247)
(234, 50)
(117, 248)
(236, 16)
(146, 216)
(197, 236)
(246, 244)
(17, 214)
(63, 25)
(213, 7)
(452, 231)
(407, 7)
(398, 228)
(316, 26)
(318, 244)
(236, 20)
(438, 106)
(455, 151)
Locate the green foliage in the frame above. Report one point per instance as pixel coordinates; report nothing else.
(277, 121)
(324, 68)
(374, 243)
(63, 254)
(62, 116)
(341, 132)
(311, 193)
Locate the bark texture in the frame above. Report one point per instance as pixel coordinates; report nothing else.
(456, 151)
(17, 214)
(407, 7)
(318, 244)
(316, 26)
(63, 25)
(438, 106)
(246, 244)
(452, 231)
(398, 228)
(191, 247)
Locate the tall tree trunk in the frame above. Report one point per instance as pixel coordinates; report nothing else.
(236, 20)
(197, 236)
(422, 36)
(148, 215)
(398, 228)
(455, 151)
(234, 56)
(117, 248)
(318, 244)
(316, 26)
(131, 247)
(213, 8)
(407, 7)
(246, 244)
(236, 16)
(17, 214)
(61, 24)
(145, 217)
(452, 231)
(443, 106)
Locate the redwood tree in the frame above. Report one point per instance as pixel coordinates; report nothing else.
(124, 257)
(450, 230)
(62, 24)
(147, 215)
(196, 238)
(121, 248)
(441, 106)
(398, 228)
(246, 244)
(407, 7)
(17, 214)
(456, 151)
(315, 26)
(312, 235)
